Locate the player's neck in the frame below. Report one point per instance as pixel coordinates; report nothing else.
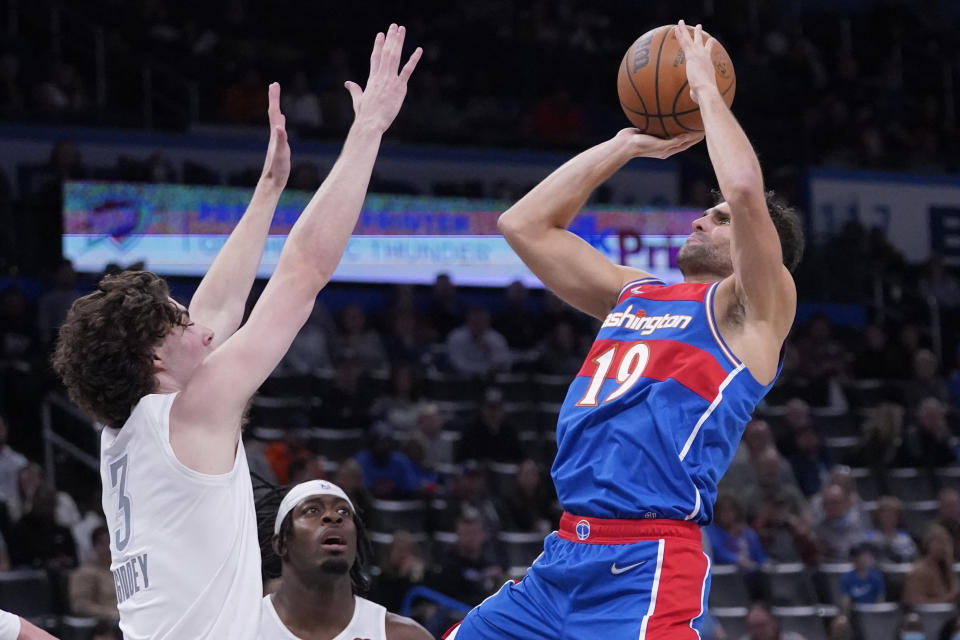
(315, 606)
(702, 278)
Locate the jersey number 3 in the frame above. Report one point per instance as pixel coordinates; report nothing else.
(118, 481)
(634, 360)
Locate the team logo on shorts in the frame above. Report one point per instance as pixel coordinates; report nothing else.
(583, 530)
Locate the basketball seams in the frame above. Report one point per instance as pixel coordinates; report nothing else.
(626, 66)
(656, 79)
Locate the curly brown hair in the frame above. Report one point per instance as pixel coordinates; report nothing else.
(789, 227)
(104, 353)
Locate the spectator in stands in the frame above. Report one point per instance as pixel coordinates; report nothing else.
(841, 528)
(470, 496)
(786, 536)
(530, 504)
(428, 480)
(928, 442)
(4, 555)
(769, 486)
(11, 462)
(106, 630)
(757, 440)
(874, 358)
(53, 305)
(345, 404)
(430, 424)
(301, 105)
(387, 473)
(763, 626)
(304, 469)
(349, 477)
(399, 406)
(796, 418)
(475, 349)
(61, 91)
(926, 381)
(514, 318)
(931, 578)
(90, 506)
(810, 462)
(38, 541)
(405, 344)
(360, 340)
(882, 436)
(402, 569)
(841, 476)
(732, 541)
(490, 435)
(445, 309)
(470, 572)
(841, 629)
(31, 479)
(888, 539)
(92, 591)
(948, 517)
(281, 454)
(560, 353)
(310, 351)
(863, 584)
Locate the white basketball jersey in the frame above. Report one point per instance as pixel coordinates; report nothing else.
(186, 559)
(369, 622)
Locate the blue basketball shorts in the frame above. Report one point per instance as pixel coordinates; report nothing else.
(602, 579)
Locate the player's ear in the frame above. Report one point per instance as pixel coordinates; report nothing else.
(279, 547)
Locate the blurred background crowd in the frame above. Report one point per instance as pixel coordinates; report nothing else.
(434, 406)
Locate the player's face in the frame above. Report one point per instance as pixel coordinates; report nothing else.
(707, 249)
(183, 349)
(324, 535)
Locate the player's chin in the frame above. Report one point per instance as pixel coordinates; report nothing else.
(336, 566)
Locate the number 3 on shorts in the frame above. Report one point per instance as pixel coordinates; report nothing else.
(118, 481)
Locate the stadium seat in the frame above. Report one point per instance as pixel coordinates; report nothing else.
(393, 515)
(502, 476)
(878, 621)
(830, 573)
(302, 386)
(910, 484)
(76, 628)
(790, 583)
(27, 592)
(279, 413)
(547, 415)
(809, 622)
(934, 616)
(732, 619)
(727, 588)
(894, 574)
(336, 444)
(949, 478)
(451, 387)
(516, 387)
(551, 389)
(521, 548)
(866, 483)
(835, 422)
(381, 541)
(444, 542)
(918, 515)
(841, 448)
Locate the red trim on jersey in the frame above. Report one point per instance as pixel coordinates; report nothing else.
(449, 631)
(690, 291)
(642, 282)
(680, 592)
(691, 366)
(609, 531)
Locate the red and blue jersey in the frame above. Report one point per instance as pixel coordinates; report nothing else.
(653, 418)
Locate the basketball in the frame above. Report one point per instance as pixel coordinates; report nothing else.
(653, 89)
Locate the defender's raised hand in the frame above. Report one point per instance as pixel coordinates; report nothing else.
(698, 54)
(276, 166)
(379, 102)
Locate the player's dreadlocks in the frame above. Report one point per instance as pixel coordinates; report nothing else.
(267, 499)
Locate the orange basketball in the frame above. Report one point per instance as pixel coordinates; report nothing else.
(653, 89)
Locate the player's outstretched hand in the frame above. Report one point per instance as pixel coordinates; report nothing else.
(645, 146)
(276, 167)
(698, 54)
(379, 102)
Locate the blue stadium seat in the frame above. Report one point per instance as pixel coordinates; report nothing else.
(809, 622)
(727, 588)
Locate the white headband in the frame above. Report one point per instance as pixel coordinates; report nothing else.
(306, 490)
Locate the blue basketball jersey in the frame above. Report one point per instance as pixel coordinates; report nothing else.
(653, 418)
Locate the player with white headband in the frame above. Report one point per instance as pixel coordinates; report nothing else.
(322, 546)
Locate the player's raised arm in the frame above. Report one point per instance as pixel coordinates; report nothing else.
(536, 226)
(763, 283)
(205, 418)
(220, 299)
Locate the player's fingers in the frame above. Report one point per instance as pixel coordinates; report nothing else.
(698, 34)
(273, 102)
(355, 93)
(411, 64)
(387, 60)
(710, 45)
(377, 52)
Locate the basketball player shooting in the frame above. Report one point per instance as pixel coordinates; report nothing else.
(171, 384)
(318, 538)
(651, 421)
